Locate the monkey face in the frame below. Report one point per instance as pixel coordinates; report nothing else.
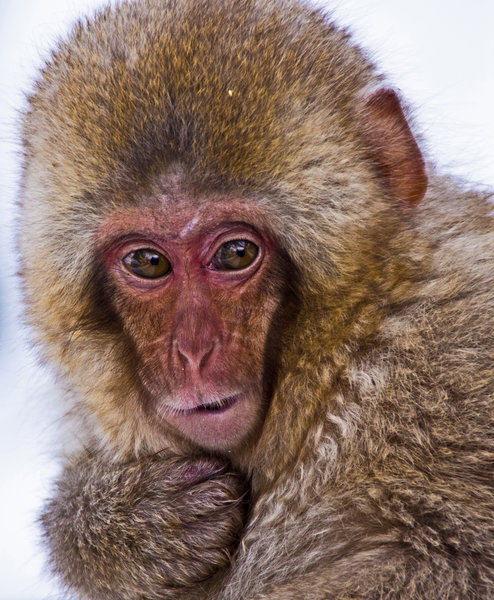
(195, 295)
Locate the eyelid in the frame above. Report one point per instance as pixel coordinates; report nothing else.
(233, 234)
(131, 243)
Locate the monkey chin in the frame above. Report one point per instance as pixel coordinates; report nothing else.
(218, 426)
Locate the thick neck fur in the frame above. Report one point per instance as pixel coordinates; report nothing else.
(339, 320)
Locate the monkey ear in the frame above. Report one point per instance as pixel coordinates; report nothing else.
(392, 145)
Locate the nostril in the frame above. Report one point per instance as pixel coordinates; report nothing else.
(206, 355)
(183, 358)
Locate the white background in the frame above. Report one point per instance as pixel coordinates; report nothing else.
(439, 55)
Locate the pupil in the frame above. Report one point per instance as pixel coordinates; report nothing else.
(155, 260)
(241, 252)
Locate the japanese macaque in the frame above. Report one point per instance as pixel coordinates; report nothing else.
(272, 319)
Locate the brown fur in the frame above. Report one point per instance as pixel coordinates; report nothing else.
(372, 475)
(198, 502)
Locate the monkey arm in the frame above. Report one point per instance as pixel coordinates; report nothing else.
(157, 526)
(392, 576)
(370, 569)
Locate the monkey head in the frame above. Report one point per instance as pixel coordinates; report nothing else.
(209, 190)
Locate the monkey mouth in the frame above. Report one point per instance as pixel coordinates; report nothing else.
(213, 422)
(217, 407)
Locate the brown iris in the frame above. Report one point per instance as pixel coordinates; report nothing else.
(235, 255)
(147, 263)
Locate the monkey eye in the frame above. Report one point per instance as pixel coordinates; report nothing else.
(235, 255)
(147, 263)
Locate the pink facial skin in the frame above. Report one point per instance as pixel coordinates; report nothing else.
(200, 330)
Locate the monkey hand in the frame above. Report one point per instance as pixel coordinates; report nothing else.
(153, 528)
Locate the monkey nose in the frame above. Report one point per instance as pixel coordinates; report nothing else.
(194, 356)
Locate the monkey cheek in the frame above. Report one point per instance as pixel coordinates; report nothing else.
(219, 430)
